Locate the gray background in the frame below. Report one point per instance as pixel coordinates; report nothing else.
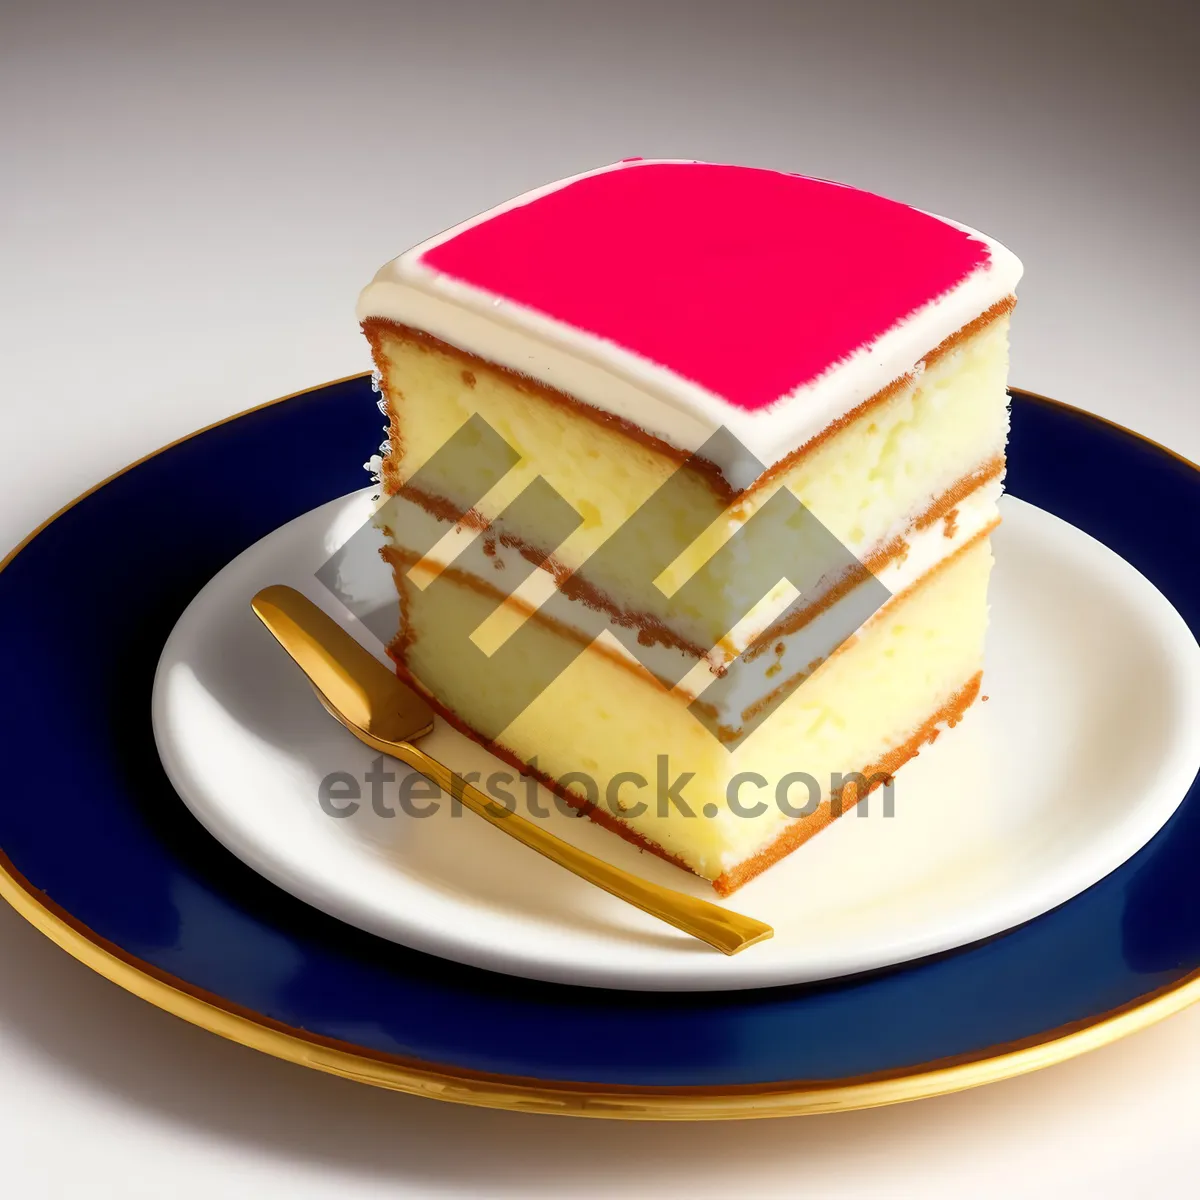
(191, 196)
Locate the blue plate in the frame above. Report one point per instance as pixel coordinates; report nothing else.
(109, 863)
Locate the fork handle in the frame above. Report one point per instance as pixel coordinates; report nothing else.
(728, 931)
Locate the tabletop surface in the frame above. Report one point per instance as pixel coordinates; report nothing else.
(193, 197)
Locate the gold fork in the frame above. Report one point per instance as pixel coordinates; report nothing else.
(385, 714)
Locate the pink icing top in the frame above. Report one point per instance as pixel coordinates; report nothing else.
(750, 283)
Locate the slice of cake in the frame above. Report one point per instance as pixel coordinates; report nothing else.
(688, 485)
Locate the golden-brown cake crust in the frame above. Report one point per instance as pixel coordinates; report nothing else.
(796, 834)
(375, 328)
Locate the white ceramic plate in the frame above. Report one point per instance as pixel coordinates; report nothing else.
(1083, 750)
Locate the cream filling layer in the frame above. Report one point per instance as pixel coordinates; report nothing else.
(923, 551)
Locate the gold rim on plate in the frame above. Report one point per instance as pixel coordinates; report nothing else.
(518, 1094)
